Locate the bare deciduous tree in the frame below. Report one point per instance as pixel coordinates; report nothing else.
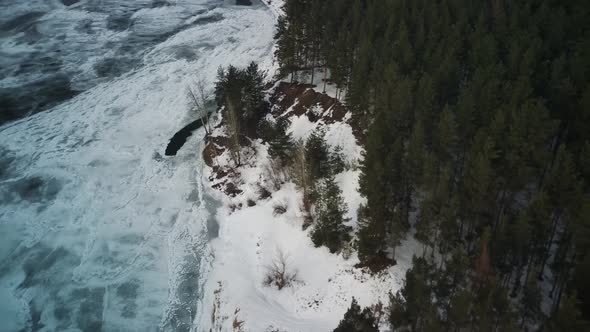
(278, 274)
(301, 176)
(275, 173)
(199, 103)
(233, 128)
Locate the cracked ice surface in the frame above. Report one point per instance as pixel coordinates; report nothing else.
(98, 230)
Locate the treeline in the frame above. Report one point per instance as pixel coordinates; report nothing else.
(477, 117)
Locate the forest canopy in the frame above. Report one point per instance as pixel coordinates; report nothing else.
(477, 123)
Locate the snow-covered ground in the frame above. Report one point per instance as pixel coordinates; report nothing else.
(99, 230)
(251, 237)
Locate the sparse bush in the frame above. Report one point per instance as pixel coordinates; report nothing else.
(237, 324)
(279, 209)
(263, 193)
(278, 274)
(198, 101)
(347, 249)
(276, 173)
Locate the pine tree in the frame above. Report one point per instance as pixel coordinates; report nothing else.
(329, 228)
(358, 92)
(397, 315)
(426, 224)
(415, 157)
(539, 214)
(317, 155)
(585, 163)
(567, 317)
(581, 285)
(477, 188)
(253, 95)
(357, 320)
(445, 136)
(503, 313)
(336, 160)
(519, 243)
(410, 307)
(530, 303)
(280, 142)
(400, 196)
(286, 52)
(563, 189)
(426, 107)
(374, 215)
(460, 309)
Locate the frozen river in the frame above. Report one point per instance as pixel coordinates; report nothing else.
(98, 230)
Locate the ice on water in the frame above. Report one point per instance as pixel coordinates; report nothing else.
(98, 230)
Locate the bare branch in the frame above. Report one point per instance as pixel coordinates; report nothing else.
(199, 103)
(278, 274)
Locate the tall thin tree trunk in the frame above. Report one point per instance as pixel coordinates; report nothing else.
(523, 320)
(560, 293)
(313, 65)
(517, 281)
(325, 76)
(501, 211)
(547, 250)
(528, 268)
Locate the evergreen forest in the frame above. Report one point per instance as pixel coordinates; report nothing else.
(476, 121)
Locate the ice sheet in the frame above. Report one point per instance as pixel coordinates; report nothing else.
(99, 230)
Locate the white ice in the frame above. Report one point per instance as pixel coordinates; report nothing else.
(100, 230)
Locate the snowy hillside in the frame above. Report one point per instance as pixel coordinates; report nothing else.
(254, 230)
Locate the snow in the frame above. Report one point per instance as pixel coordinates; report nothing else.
(248, 240)
(318, 83)
(250, 237)
(348, 183)
(301, 127)
(275, 6)
(340, 134)
(336, 134)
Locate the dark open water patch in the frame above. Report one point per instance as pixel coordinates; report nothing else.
(6, 162)
(160, 3)
(22, 22)
(216, 17)
(113, 67)
(119, 22)
(178, 140)
(34, 97)
(69, 2)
